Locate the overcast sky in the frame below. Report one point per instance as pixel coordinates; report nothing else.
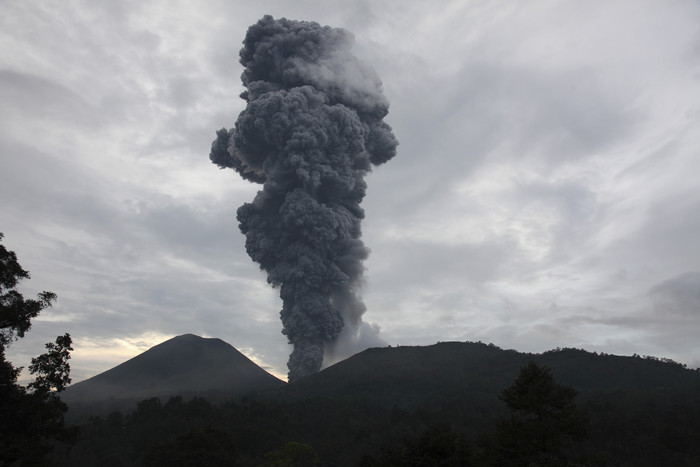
(545, 193)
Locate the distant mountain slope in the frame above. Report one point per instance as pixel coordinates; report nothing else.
(185, 365)
(643, 411)
(411, 376)
(465, 375)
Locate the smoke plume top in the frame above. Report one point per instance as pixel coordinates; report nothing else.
(311, 130)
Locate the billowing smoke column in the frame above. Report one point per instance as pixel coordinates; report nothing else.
(311, 129)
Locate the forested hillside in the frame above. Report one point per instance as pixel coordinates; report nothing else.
(389, 404)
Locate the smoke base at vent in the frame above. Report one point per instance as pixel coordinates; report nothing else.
(312, 129)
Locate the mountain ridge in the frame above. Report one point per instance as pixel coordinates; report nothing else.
(643, 411)
(186, 365)
(414, 375)
(404, 376)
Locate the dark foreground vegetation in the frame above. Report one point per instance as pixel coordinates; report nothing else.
(647, 413)
(31, 416)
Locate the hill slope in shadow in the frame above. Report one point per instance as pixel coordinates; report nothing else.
(643, 411)
(410, 376)
(186, 365)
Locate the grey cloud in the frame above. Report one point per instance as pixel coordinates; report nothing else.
(679, 295)
(665, 241)
(28, 95)
(421, 264)
(498, 112)
(182, 92)
(46, 188)
(576, 214)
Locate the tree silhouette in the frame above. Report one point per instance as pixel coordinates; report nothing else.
(292, 454)
(197, 447)
(437, 445)
(30, 417)
(543, 422)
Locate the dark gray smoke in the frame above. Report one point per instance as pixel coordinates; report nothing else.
(310, 132)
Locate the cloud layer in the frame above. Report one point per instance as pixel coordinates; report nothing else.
(543, 194)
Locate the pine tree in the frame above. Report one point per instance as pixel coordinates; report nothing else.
(543, 422)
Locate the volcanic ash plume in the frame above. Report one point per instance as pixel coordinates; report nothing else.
(311, 130)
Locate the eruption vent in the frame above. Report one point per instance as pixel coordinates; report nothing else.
(310, 132)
